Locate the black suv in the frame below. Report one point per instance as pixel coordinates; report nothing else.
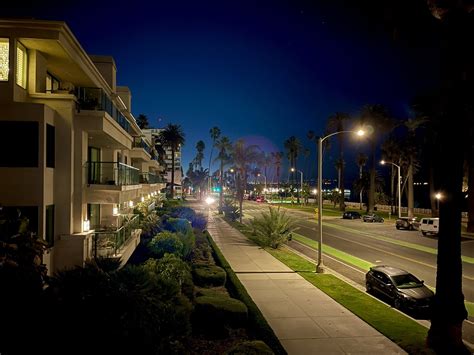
(403, 289)
(351, 215)
(409, 223)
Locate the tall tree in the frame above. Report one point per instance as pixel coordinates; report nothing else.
(243, 156)
(142, 121)
(277, 157)
(200, 146)
(376, 120)
(336, 123)
(172, 136)
(215, 133)
(361, 162)
(456, 32)
(224, 147)
(391, 149)
(293, 148)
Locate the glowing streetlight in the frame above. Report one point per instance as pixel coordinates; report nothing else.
(360, 133)
(383, 162)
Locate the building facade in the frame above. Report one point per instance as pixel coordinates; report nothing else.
(152, 135)
(74, 161)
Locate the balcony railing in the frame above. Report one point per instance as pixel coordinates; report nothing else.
(149, 178)
(97, 100)
(111, 173)
(140, 143)
(107, 243)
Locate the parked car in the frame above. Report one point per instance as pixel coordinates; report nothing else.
(405, 291)
(351, 215)
(429, 225)
(260, 199)
(409, 223)
(372, 218)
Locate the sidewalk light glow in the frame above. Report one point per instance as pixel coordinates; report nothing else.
(142, 199)
(210, 200)
(86, 225)
(130, 203)
(360, 132)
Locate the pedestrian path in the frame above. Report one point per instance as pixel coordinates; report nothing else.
(305, 319)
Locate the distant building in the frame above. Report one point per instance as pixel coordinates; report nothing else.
(152, 135)
(73, 160)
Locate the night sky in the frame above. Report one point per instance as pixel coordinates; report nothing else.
(260, 70)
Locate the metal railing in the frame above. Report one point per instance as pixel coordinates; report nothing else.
(149, 178)
(107, 243)
(111, 173)
(141, 143)
(97, 100)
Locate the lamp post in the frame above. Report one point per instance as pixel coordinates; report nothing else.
(301, 180)
(360, 132)
(398, 188)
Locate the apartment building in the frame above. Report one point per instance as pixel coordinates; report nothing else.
(152, 135)
(74, 161)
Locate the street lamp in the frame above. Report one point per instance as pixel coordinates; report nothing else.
(360, 132)
(301, 180)
(399, 183)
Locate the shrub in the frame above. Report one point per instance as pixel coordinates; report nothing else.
(209, 275)
(214, 313)
(255, 347)
(202, 252)
(184, 231)
(150, 225)
(230, 209)
(212, 292)
(271, 229)
(171, 267)
(146, 313)
(165, 242)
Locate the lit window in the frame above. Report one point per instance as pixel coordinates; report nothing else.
(21, 64)
(4, 62)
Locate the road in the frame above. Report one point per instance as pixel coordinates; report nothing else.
(378, 243)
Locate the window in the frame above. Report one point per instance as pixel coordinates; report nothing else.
(21, 65)
(52, 84)
(15, 153)
(50, 146)
(4, 58)
(49, 223)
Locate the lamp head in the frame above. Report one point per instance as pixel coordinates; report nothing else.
(292, 170)
(360, 132)
(382, 162)
(438, 196)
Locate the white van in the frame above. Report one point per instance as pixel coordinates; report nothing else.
(429, 225)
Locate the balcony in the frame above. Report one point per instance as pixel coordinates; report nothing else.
(95, 99)
(120, 242)
(111, 173)
(141, 150)
(149, 178)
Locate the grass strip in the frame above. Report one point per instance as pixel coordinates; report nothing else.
(258, 323)
(405, 332)
(350, 259)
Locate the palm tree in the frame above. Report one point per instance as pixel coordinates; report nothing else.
(411, 149)
(243, 156)
(215, 133)
(376, 119)
(449, 311)
(391, 150)
(306, 155)
(200, 146)
(293, 148)
(334, 124)
(277, 157)
(361, 161)
(142, 121)
(224, 147)
(172, 136)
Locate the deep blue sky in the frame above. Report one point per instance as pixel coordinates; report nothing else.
(260, 69)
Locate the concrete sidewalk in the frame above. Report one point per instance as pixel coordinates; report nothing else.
(305, 320)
